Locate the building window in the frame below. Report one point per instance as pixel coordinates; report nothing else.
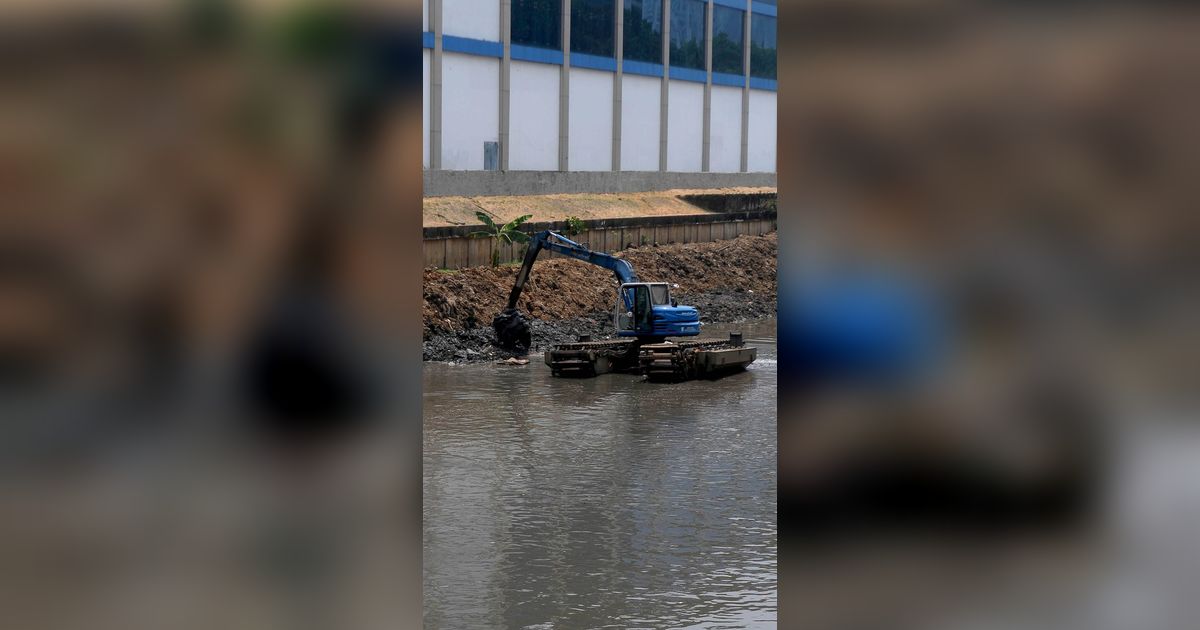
(537, 23)
(762, 46)
(728, 27)
(687, 33)
(593, 23)
(643, 30)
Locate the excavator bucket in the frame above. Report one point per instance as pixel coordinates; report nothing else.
(512, 330)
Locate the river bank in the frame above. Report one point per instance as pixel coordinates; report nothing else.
(728, 281)
(460, 211)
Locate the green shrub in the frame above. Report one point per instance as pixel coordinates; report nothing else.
(508, 233)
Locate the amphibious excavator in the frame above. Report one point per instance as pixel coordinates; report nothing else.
(645, 315)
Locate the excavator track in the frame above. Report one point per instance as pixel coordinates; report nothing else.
(698, 358)
(590, 358)
(666, 361)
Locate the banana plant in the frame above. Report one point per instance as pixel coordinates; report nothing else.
(508, 233)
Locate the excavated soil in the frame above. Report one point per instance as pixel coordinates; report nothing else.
(728, 281)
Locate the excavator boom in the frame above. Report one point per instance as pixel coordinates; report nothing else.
(560, 244)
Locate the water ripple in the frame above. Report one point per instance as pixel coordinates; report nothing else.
(605, 502)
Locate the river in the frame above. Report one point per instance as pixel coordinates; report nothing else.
(600, 503)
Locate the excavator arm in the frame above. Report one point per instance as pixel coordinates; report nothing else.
(512, 329)
(558, 243)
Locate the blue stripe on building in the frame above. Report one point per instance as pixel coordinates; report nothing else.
(764, 9)
(733, 80)
(644, 68)
(689, 74)
(453, 43)
(582, 60)
(763, 84)
(519, 52)
(484, 48)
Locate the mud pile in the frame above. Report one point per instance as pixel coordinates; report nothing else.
(729, 281)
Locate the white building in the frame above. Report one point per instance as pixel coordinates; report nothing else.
(694, 93)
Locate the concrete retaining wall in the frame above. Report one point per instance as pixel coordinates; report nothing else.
(487, 183)
(733, 202)
(451, 248)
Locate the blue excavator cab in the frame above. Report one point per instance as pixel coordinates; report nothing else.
(647, 310)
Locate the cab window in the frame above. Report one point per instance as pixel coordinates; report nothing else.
(659, 295)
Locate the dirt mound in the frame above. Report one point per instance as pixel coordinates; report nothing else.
(561, 289)
(478, 345)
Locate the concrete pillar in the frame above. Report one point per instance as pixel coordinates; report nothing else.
(564, 91)
(745, 165)
(707, 137)
(435, 86)
(666, 85)
(505, 80)
(619, 51)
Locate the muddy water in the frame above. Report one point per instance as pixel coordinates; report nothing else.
(605, 502)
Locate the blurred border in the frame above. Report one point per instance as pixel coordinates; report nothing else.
(210, 353)
(1003, 187)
